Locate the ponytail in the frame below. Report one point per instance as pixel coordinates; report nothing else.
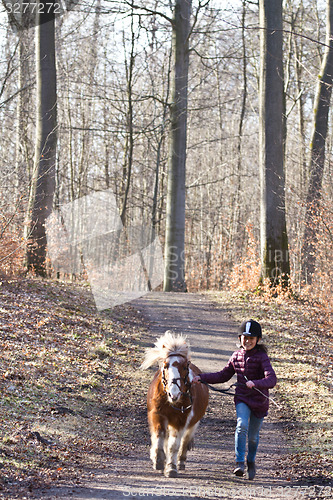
(262, 347)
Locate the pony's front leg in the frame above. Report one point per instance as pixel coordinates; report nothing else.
(173, 444)
(157, 435)
(185, 445)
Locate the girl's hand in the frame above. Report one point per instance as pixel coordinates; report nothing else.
(196, 379)
(250, 384)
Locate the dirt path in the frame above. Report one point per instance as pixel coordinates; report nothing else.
(209, 466)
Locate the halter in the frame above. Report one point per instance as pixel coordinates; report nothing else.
(176, 382)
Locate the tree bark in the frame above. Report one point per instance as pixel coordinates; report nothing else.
(317, 146)
(236, 235)
(273, 234)
(43, 182)
(129, 142)
(174, 275)
(22, 164)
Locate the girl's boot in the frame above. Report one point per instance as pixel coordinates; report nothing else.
(239, 471)
(251, 469)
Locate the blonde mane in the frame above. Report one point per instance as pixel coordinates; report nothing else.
(168, 344)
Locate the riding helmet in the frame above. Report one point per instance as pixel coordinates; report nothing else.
(251, 328)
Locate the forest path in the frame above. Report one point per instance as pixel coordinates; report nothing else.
(212, 337)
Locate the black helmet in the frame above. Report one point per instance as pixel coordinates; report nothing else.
(251, 328)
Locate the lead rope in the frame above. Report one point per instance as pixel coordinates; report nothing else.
(267, 397)
(222, 391)
(227, 393)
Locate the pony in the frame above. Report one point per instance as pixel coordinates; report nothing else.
(174, 405)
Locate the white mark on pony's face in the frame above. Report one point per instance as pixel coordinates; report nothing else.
(175, 384)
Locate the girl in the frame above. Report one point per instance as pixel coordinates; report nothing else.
(254, 374)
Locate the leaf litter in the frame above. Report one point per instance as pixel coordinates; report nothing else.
(68, 378)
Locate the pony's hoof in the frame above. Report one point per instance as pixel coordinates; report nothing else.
(181, 465)
(159, 464)
(171, 471)
(158, 460)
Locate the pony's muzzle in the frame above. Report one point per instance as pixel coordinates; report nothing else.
(174, 397)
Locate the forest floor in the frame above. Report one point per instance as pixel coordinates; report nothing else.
(73, 416)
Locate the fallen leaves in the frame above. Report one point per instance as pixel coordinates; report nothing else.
(62, 364)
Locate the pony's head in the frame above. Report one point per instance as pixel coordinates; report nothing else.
(169, 344)
(172, 353)
(175, 377)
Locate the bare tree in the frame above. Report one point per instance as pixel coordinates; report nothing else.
(317, 146)
(273, 233)
(174, 278)
(43, 181)
(129, 138)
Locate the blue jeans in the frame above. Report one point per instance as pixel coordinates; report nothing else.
(247, 425)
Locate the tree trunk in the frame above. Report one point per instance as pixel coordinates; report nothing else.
(155, 217)
(22, 167)
(129, 142)
(174, 277)
(43, 182)
(273, 235)
(236, 236)
(317, 146)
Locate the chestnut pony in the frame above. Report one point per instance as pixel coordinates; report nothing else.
(175, 407)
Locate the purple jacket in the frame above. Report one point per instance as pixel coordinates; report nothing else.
(256, 366)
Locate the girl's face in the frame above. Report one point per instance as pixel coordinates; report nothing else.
(248, 342)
